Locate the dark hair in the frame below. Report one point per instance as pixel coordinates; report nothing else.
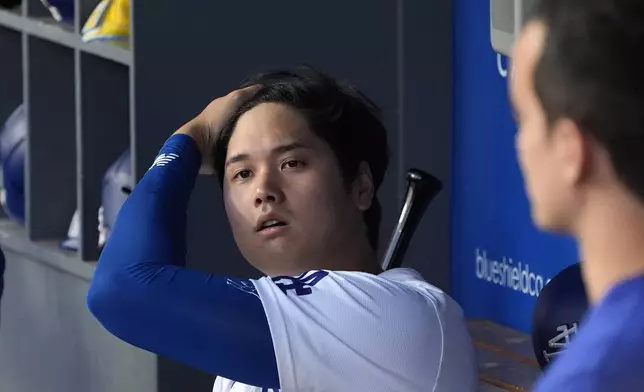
(590, 71)
(337, 113)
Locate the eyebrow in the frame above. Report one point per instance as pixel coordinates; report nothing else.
(277, 150)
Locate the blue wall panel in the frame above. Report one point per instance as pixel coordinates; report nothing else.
(499, 259)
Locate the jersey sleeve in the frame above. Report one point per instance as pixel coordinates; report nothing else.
(351, 331)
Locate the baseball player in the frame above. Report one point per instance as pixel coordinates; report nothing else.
(578, 92)
(300, 158)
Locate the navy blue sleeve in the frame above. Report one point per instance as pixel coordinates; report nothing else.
(142, 293)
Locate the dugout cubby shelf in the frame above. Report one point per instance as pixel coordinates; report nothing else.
(46, 28)
(103, 134)
(88, 102)
(50, 167)
(10, 71)
(77, 99)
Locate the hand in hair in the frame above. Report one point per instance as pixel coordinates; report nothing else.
(205, 128)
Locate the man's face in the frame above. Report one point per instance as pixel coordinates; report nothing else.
(278, 171)
(548, 153)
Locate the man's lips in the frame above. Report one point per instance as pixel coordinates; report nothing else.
(270, 222)
(273, 230)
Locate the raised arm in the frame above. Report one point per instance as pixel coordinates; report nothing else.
(142, 293)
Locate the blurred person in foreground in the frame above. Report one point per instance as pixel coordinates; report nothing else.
(578, 93)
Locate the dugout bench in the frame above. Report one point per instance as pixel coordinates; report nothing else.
(505, 358)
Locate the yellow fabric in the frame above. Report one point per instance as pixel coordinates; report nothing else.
(110, 21)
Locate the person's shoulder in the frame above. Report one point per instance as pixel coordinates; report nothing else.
(628, 293)
(432, 326)
(617, 319)
(406, 290)
(412, 322)
(400, 291)
(403, 289)
(414, 281)
(611, 332)
(397, 282)
(614, 363)
(398, 276)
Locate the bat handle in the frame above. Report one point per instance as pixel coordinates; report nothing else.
(422, 188)
(394, 244)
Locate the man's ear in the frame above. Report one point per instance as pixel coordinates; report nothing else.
(363, 190)
(573, 151)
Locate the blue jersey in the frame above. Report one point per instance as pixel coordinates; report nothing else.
(607, 354)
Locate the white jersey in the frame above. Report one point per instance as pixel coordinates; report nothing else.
(357, 332)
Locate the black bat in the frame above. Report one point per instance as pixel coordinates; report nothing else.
(422, 188)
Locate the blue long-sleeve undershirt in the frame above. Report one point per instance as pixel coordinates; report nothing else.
(142, 293)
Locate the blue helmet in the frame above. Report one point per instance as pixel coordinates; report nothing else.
(117, 186)
(12, 156)
(560, 309)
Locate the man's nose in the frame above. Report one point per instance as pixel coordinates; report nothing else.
(268, 189)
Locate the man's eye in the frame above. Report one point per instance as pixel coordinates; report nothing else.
(242, 174)
(292, 164)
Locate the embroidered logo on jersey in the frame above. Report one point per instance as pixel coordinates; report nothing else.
(243, 285)
(164, 159)
(302, 284)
